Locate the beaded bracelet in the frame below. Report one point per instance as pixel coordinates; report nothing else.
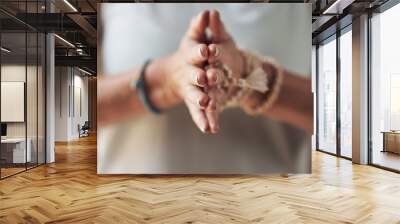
(254, 80)
(141, 88)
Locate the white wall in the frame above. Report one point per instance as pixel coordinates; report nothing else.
(79, 117)
(62, 81)
(16, 73)
(70, 83)
(12, 73)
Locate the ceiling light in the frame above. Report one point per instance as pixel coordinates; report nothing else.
(84, 71)
(70, 5)
(328, 10)
(338, 6)
(5, 50)
(65, 41)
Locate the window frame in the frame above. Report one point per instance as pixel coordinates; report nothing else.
(335, 36)
(378, 10)
(27, 29)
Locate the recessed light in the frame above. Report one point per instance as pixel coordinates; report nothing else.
(5, 49)
(84, 71)
(65, 41)
(70, 5)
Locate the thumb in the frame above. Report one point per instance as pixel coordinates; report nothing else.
(198, 25)
(217, 28)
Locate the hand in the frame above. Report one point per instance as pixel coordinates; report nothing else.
(222, 50)
(183, 75)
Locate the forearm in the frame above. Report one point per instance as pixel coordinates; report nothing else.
(118, 100)
(294, 104)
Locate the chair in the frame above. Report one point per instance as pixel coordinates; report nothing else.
(84, 130)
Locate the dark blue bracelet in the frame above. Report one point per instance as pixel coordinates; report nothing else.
(141, 88)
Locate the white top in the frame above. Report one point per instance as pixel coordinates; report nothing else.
(171, 143)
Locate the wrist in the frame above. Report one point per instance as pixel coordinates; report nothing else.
(255, 100)
(159, 89)
(274, 74)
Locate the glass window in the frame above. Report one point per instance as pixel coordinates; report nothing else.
(385, 89)
(327, 96)
(15, 150)
(22, 93)
(346, 93)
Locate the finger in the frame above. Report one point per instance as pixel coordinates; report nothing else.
(194, 76)
(196, 55)
(217, 28)
(198, 117)
(212, 116)
(194, 95)
(214, 76)
(198, 25)
(214, 52)
(219, 52)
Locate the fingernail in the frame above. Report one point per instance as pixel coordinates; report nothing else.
(205, 129)
(212, 106)
(203, 51)
(203, 102)
(215, 129)
(215, 77)
(212, 77)
(201, 80)
(216, 52)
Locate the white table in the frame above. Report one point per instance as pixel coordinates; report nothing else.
(19, 155)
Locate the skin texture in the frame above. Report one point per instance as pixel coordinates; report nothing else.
(182, 77)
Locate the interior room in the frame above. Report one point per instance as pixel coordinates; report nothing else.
(49, 172)
(385, 123)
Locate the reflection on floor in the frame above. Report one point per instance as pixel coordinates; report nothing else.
(346, 152)
(14, 169)
(70, 191)
(10, 171)
(387, 159)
